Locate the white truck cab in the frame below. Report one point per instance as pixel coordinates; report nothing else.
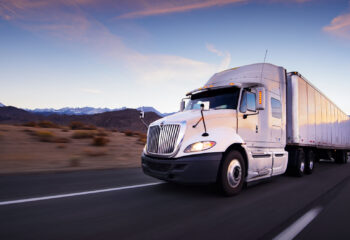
(230, 131)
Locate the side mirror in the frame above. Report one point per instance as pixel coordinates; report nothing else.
(260, 100)
(205, 106)
(182, 105)
(142, 114)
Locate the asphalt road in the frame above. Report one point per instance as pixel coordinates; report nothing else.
(313, 207)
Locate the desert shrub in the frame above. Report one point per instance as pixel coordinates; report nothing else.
(143, 139)
(75, 125)
(129, 133)
(83, 134)
(65, 129)
(89, 127)
(101, 133)
(47, 124)
(44, 136)
(30, 124)
(114, 130)
(100, 141)
(29, 131)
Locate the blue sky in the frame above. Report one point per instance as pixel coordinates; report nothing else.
(150, 52)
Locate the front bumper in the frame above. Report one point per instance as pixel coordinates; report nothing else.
(199, 168)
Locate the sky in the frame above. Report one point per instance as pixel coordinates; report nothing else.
(115, 53)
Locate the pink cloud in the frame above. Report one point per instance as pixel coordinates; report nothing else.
(339, 26)
(150, 8)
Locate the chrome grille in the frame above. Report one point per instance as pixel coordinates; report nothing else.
(162, 140)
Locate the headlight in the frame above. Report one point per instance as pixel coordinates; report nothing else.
(199, 146)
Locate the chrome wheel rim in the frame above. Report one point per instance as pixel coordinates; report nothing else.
(234, 173)
(302, 166)
(311, 165)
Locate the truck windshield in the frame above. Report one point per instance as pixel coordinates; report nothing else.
(218, 99)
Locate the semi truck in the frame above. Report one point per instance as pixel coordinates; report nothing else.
(246, 124)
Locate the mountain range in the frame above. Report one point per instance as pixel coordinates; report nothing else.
(88, 110)
(126, 119)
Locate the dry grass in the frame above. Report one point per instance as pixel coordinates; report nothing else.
(30, 124)
(129, 133)
(44, 136)
(81, 126)
(83, 134)
(48, 136)
(47, 124)
(65, 129)
(20, 150)
(100, 141)
(142, 137)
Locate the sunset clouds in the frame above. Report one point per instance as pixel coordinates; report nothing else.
(112, 48)
(340, 26)
(150, 8)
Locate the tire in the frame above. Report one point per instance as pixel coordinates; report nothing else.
(232, 173)
(341, 157)
(309, 162)
(296, 162)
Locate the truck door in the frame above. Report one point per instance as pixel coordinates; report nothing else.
(249, 130)
(248, 118)
(279, 155)
(276, 120)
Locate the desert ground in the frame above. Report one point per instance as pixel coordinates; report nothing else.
(36, 149)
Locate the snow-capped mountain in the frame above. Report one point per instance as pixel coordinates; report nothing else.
(2, 105)
(73, 111)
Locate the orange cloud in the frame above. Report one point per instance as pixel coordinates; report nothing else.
(339, 26)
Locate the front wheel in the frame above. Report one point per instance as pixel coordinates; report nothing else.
(232, 173)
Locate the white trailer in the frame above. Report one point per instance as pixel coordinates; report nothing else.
(245, 124)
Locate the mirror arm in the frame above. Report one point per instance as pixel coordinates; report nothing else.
(246, 115)
(205, 134)
(142, 116)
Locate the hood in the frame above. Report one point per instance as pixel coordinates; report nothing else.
(193, 116)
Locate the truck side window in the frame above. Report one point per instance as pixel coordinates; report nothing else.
(276, 108)
(243, 107)
(248, 102)
(251, 103)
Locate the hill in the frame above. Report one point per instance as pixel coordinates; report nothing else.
(88, 110)
(127, 119)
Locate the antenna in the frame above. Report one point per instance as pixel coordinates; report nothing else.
(262, 70)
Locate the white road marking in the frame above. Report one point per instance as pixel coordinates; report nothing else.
(76, 194)
(294, 229)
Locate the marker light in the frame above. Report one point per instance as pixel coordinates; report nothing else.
(199, 146)
(260, 97)
(232, 84)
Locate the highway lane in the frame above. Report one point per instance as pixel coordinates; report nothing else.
(262, 211)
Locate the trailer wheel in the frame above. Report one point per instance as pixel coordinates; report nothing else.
(232, 173)
(309, 162)
(341, 157)
(296, 162)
